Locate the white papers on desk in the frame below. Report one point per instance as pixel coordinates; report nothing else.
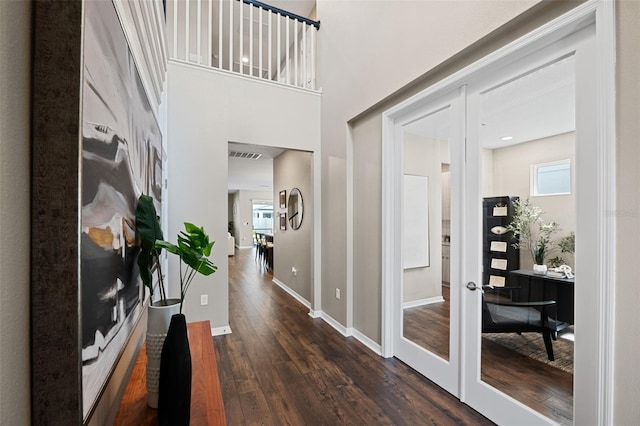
(500, 246)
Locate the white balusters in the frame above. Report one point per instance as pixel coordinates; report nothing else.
(220, 29)
(187, 33)
(199, 30)
(210, 33)
(251, 40)
(304, 56)
(260, 12)
(270, 75)
(175, 29)
(287, 48)
(241, 38)
(312, 54)
(193, 32)
(279, 54)
(231, 2)
(295, 51)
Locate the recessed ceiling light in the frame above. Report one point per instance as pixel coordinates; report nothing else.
(506, 138)
(245, 59)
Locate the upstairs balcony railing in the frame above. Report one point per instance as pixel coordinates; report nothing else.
(246, 37)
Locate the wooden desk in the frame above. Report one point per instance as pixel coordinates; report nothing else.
(535, 288)
(206, 397)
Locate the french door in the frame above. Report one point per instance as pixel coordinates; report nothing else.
(438, 165)
(427, 310)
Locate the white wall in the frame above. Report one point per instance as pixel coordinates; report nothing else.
(294, 247)
(356, 73)
(208, 109)
(15, 107)
(511, 168)
(626, 384)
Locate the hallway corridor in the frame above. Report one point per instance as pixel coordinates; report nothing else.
(280, 366)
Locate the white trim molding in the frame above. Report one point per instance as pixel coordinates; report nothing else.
(220, 331)
(369, 343)
(606, 101)
(295, 295)
(422, 302)
(335, 324)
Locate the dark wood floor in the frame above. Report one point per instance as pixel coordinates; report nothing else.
(540, 386)
(280, 366)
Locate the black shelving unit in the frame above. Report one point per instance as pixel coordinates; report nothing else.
(498, 254)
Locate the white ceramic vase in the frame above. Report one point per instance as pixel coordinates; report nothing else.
(157, 327)
(540, 269)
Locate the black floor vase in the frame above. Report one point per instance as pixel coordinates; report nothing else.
(174, 399)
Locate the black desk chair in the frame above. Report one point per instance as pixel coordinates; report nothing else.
(503, 316)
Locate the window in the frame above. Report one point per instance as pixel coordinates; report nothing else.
(551, 178)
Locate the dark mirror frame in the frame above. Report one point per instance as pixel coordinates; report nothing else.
(295, 208)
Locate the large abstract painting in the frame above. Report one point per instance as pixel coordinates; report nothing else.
(121, 158)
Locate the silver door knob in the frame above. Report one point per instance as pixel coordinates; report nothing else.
(472, 286)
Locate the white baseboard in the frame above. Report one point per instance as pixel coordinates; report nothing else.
(335, 324)
(244, 247)
(422, 302)
(347, 332)
(295, 295)
(219, 331)
(376, 348)
(315, 314)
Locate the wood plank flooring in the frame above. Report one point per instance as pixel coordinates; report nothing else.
(540, 386)
(282, 367)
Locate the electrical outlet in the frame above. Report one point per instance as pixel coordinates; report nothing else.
(338, 293)
(204, 299)
(294, 271)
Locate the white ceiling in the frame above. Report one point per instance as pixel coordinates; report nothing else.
(252, 175)
(533, 106)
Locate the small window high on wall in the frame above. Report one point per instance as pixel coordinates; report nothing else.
(551, 178)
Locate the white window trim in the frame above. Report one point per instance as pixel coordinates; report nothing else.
(533, 178)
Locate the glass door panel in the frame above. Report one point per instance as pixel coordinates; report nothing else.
(521, 228)
(427, 298)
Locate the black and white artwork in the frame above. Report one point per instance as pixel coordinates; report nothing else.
(121, 158)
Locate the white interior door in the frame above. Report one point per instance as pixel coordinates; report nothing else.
(426, 297)
(494, 163)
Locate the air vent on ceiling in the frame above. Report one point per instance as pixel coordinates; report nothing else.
(245, 155)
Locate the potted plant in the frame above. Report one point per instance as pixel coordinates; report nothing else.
(174, 397)
(533, 233)
(193, 248)
(567, 245)
(161, 310)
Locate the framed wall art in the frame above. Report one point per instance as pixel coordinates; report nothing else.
(86, 294)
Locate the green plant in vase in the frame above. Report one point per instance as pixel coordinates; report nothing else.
(532, 232)
(148, 232)
(193, 249)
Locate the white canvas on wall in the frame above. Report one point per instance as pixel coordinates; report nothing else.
(415, 224)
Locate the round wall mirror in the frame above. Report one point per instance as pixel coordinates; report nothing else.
(295, 208)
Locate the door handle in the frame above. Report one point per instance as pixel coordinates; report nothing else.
(472, 286)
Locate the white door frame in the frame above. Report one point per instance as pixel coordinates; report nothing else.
(597, 402)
